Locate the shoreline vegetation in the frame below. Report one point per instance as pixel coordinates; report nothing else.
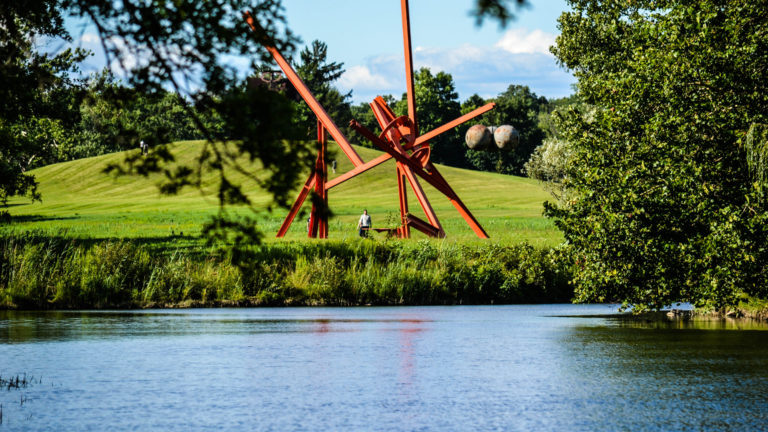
(40, 271)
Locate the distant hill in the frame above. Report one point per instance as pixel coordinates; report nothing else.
(80, 198)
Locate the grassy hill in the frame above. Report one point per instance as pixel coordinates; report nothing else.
(80, 198)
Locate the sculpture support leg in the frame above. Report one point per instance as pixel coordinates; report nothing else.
(322, 135)
(429, 212)
(318, 220)
(404, 230)
(308, 185)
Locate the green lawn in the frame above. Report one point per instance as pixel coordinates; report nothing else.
(79, 198)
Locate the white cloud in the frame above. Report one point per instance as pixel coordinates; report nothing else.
(519, 57)
(520, 41)
(449, 59)
(90, 38)
(361, 77)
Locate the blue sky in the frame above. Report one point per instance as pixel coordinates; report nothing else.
(366, 35)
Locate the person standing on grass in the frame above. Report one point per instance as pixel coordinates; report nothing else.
(364, 224)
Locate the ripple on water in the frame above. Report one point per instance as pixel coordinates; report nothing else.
(547, 367)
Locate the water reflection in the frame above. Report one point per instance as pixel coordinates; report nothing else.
(671, 374)
(544, 367)
(696, 323)
(410, 333)
(24, 326)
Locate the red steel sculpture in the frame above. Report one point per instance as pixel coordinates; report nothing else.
(399, 140)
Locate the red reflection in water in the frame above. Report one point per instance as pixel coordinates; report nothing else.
(408, 338)
(321, 326)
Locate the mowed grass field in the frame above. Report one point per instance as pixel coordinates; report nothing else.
(84, 202)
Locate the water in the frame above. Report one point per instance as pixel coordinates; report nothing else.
(424, 368)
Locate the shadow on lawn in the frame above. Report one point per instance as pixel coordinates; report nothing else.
(37, 218)
(166, 244)
(190, 244)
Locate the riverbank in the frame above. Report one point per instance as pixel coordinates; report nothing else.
(48, 272)
(747, 311)
(750, 310)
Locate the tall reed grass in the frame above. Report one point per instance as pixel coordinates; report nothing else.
(44, 272)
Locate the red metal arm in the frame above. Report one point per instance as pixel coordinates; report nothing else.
(357, 170)
(434, 178)
(408, 64)
(308, 186)
(313, 104)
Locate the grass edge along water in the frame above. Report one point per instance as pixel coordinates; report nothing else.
(45, 272)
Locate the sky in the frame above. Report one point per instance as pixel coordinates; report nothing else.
(366, 36)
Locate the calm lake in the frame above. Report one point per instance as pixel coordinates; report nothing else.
(461, 368)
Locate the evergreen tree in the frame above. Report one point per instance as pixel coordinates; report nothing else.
(319, 74)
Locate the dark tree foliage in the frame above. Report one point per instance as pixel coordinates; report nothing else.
(498, 9)
(517, 106)
(38, 95)
(666, 202)
(115, 118)
(319, 74)
(179, 46)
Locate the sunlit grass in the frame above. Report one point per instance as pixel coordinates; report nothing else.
(80, 199)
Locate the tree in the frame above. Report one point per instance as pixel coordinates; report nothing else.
(38, 95)
(664, 206)
(548, 164)
(319, 74)
(548, 117)
(115, 118)
(517, 106)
